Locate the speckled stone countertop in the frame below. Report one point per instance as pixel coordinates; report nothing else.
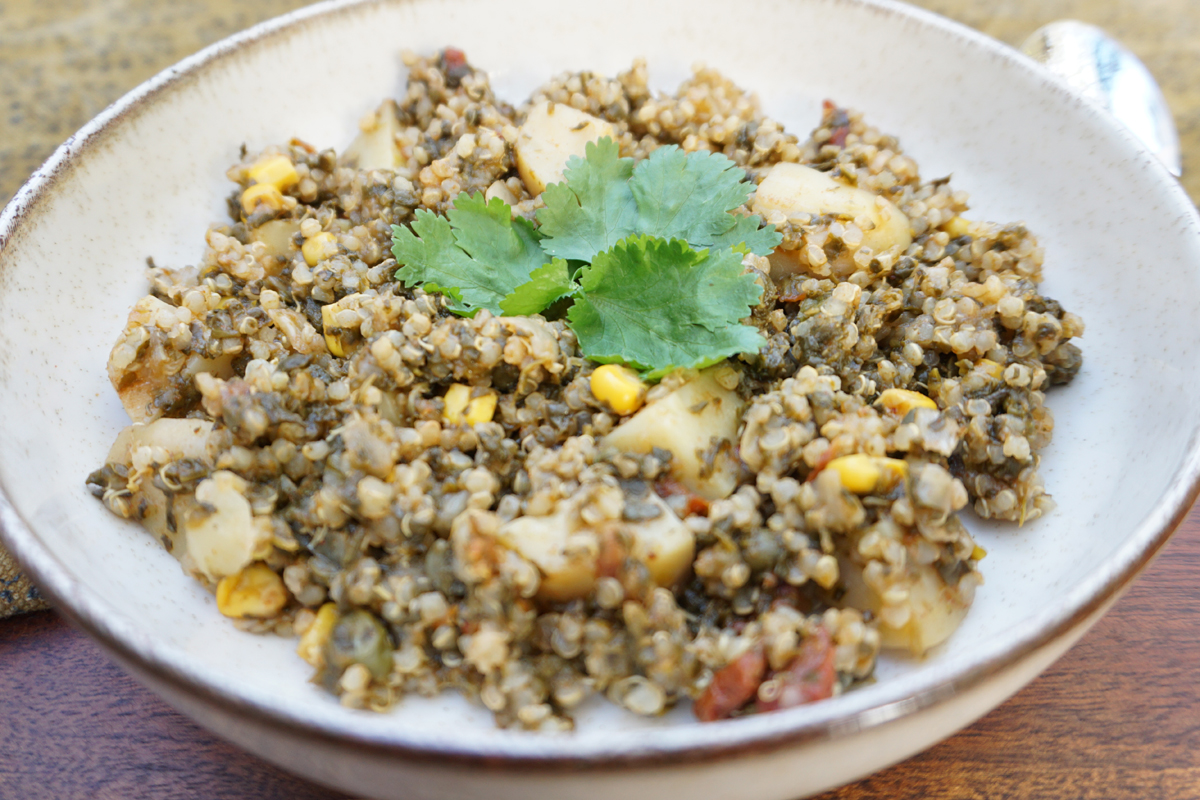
(63, 61)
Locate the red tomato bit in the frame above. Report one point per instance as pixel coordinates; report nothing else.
(732, 686)
(837, 121)
(808, 678)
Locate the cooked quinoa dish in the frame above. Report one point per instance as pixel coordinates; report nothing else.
(612, 392)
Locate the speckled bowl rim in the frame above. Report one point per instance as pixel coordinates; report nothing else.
(844, 716)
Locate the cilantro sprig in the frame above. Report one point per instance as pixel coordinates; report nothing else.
(686, 315)
(671, 195)
(477, 254)
(662, 284)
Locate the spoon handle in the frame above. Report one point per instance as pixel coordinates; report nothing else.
(1101, 69)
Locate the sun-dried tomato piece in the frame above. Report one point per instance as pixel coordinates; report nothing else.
(732, 686)
(837, 121)
(669, 487)
(809, 677)
(613, 553)
(454, 64)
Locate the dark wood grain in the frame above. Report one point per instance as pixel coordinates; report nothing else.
(74, 726)
(1117, 718)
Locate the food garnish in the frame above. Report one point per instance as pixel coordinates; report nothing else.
(659, 282)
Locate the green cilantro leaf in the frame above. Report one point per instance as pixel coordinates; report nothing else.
(546, 284)
(671, 195)
(687, 196)
(746, 235)
(658, 304)
(594, 209)
(665, 286)
(477, 256)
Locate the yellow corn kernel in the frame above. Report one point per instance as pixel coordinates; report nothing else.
(991, 368)
(462, 409)
(256, 591)
(894, 469)
(312, 644)
(480, 409)
(956, 226)
(318, 248)
(902, 401)
(332, 340)
(262, 193)
(456, 400)
(978, 554)
(277, 171)
(618, 387)
(863, 474)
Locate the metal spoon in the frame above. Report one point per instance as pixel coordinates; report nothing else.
(1100, 68)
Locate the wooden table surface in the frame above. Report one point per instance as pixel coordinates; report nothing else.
(1117, 718)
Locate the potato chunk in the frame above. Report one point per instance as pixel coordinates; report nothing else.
(565, 557)
(937, 610)
(927, 607)
(796, 189)
(145, 448)
(552, 133)
(375, 145)
(152, 357)
(221, 535)
(567, 551)
(686, 422)
(278, 236)
(179, 438)
(664, 544)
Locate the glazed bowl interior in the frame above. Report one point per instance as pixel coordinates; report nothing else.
(147, 178)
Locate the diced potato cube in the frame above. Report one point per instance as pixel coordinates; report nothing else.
(685, 422)
(375, 146)
(552, 133)
(796, 189)
(278, 235)
(152, 355)
(567, 561)
(162, 441)
(180, 438)
(566, 551)
(929, 612)
(664, 544)
(221, 535)
(936, 611)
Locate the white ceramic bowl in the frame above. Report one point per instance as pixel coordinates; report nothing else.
(146, 177)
